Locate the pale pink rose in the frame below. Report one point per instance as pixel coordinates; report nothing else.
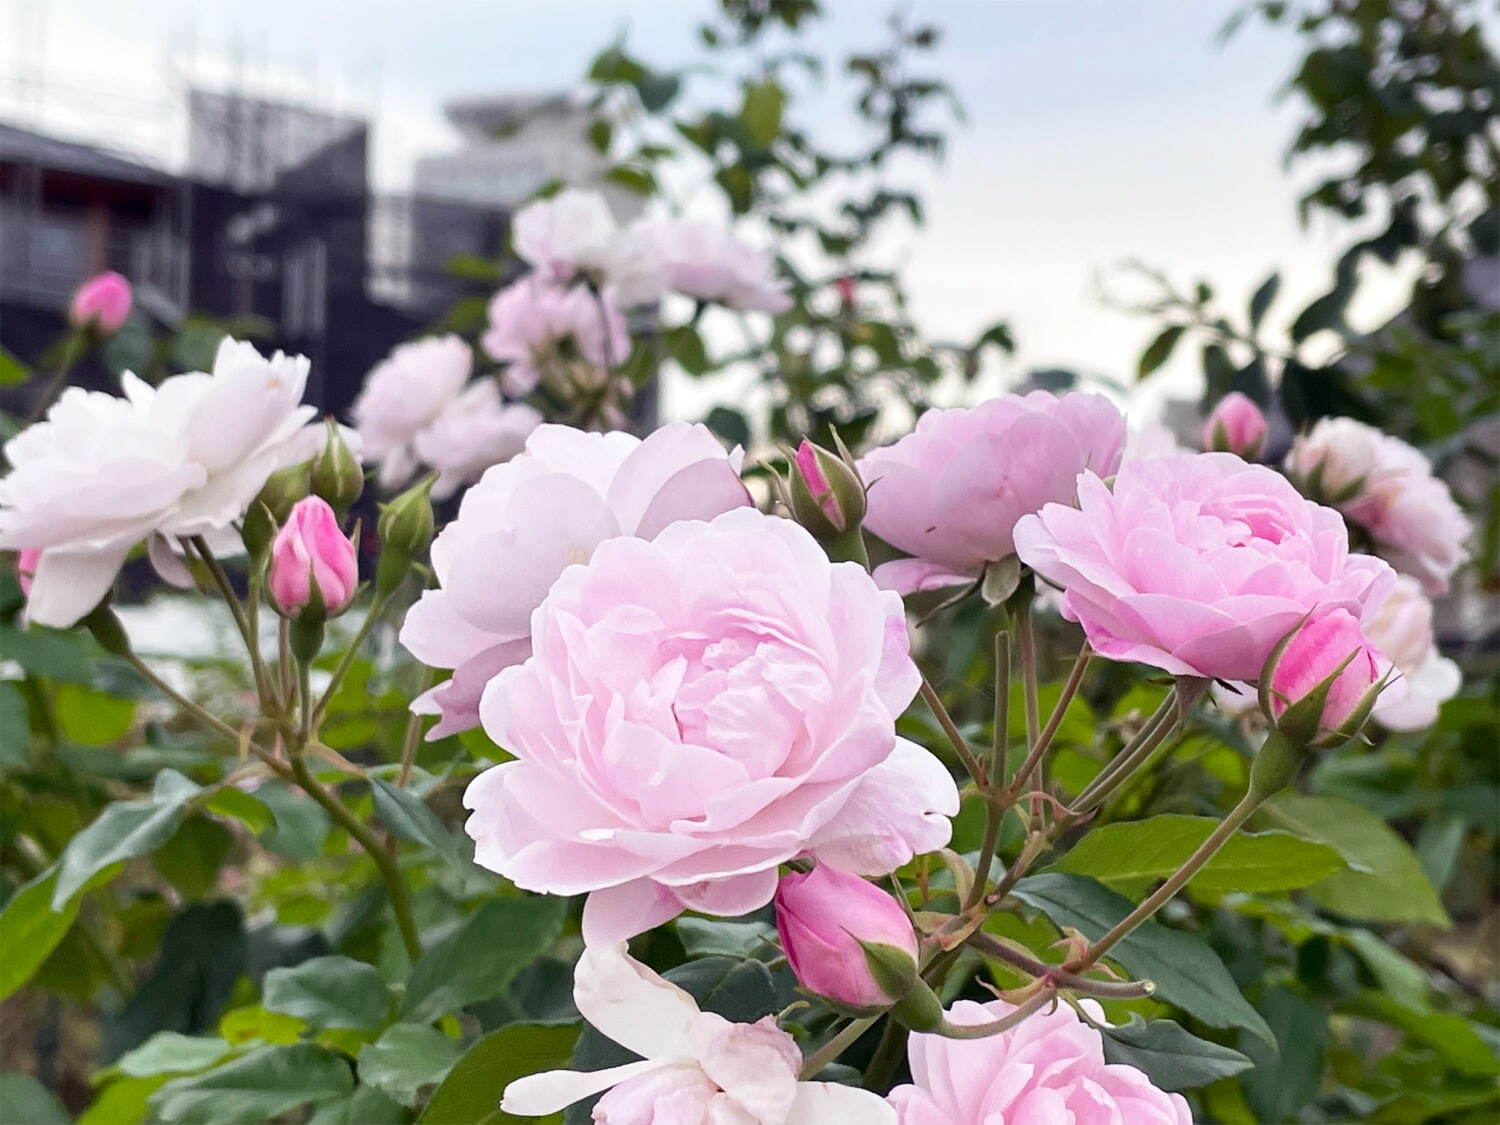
(1236, 425)
(696, 1068)
(825, 918)
(102, 302)
(404, 394)
(539, 330)
(101, 474)
(528, 519)
(26, 568)
(1331, 644)
(310, 547)
(1047, 1069)
(1387, 487)
(573, 237)
(476, 430)
(697, 710)
(1197, 564)
(951, 491)
(708, 263)
(1402, 630)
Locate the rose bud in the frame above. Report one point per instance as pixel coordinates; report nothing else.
(313, 564)
(827, 497)
(1321, 681)
(405, 528)
(846, 939)
(1236, 425)
(101, 303)
(335, 474)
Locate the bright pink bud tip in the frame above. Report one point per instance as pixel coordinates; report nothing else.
(311, 546)
(825, 919)
(1316, 652)
(1235, 426)
(817, 482)
(103, 302)
(26, 567)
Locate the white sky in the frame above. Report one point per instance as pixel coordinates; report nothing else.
(1098, 130)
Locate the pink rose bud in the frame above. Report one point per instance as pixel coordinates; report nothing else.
(101, 302)
(1236, 425)
(26, 567)
(827, 497)
(1319, 685)
(310, 548)
(846, 939)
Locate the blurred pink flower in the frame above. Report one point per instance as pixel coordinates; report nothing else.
(102, 302)
(26, 567)
(573, 237)
(695, 1067)
(951, 491)
(475, 431)
(1236, 425)
(1197, 564)
(1047, 1069)
(1402, 630)
(404, 394)
(825, 918)
(708, 263)
(545, 509)
(697, 710)
(536, 329)
(310, 547)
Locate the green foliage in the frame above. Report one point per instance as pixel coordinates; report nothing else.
(470, 1094)
(1174, 1059)
(328, 992)
(256, 1087)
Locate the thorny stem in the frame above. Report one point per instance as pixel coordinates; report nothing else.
(1056, 974)
(1026, 642)
(1001, 740)
(831, 1050)
(887, 1056)
(212, 722)
(413, 733)
(232, 600)
(72, 351)
(950, 728)
(1005, 1023)
(1044, 740)
(1131, 754)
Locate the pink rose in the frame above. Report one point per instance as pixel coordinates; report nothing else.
(474, 431)
(1197, 564)
(951, 491)
(404, 394)
(310, 547)
(1331, 645)
(825, 919)
(708, 263)
(1402, 630)
(1236, 425)
(697, 710)
(526, 520)
(546, 331)
(26, 568)
(1048, 1068)
(102, 302)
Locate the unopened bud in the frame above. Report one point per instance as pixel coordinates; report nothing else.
(271, 507)
(1321, 681)
(335, 473)
(313, 570)
(1236, 425)
(406, 527)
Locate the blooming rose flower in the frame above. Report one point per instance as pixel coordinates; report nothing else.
(1197, 564)
(538, 329)
(573, 236)
(825, 918)
(1236, 425)
(695, 1067)
(528, 519)
(1048, 1068)
(697, 710)
(475, 430)
(951, 491)
(310, 546)
(100, 474)
(1386, 487)
(404, 394)
(102, 302)
(1402, 630)
(708, 263)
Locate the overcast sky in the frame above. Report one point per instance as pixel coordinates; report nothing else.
(1098, 130)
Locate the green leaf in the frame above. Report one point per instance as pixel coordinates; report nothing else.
(703, 937)
(241, 806)
(1399, 977)
(368, 1106)
(1128, 857)
(761, 112)
(1385, 882)
(122, 1101)
(329, 992)
(1171, 1057)
(482, 958)
(25, 1101)
(470, 1095)
(124, 830)
(190, 860)
(1286, 1080)
(12, 370)
(171, 1052)
(301, 823)
(1187, 973)
(265, 1083)
(406, 1058)
(729, 424)
(14, 724)
(49, 652)
(1448, 1033)
(93, 718)
(1158, 351)
(686, 347)
(31, 927)
(1260, 300)
(404, 814)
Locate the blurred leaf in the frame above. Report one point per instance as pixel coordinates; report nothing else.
(1448, 1033)
(702, 937)
(1186, 971)
(1285, 1080)
(30, 930)
(1171, 1057)
(1129, 857)
(12, 370)
(171, 1052)
(92, 718)
(1158, 351)
(243, 807)
(329, 992)
(130, 348)
(13, 723)
(190, 860)
(470, 1095)
(632, 178)
(1385, 882)
(124, 830)
(407, 1057)
(729, 424)
(686, 347)
(761, 111)
(367, 1106)
(254, 1024)
(301, 824)
(1261, 299)
(25, 1101)
(481, 959)
(49, 652)
(264, 1084)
